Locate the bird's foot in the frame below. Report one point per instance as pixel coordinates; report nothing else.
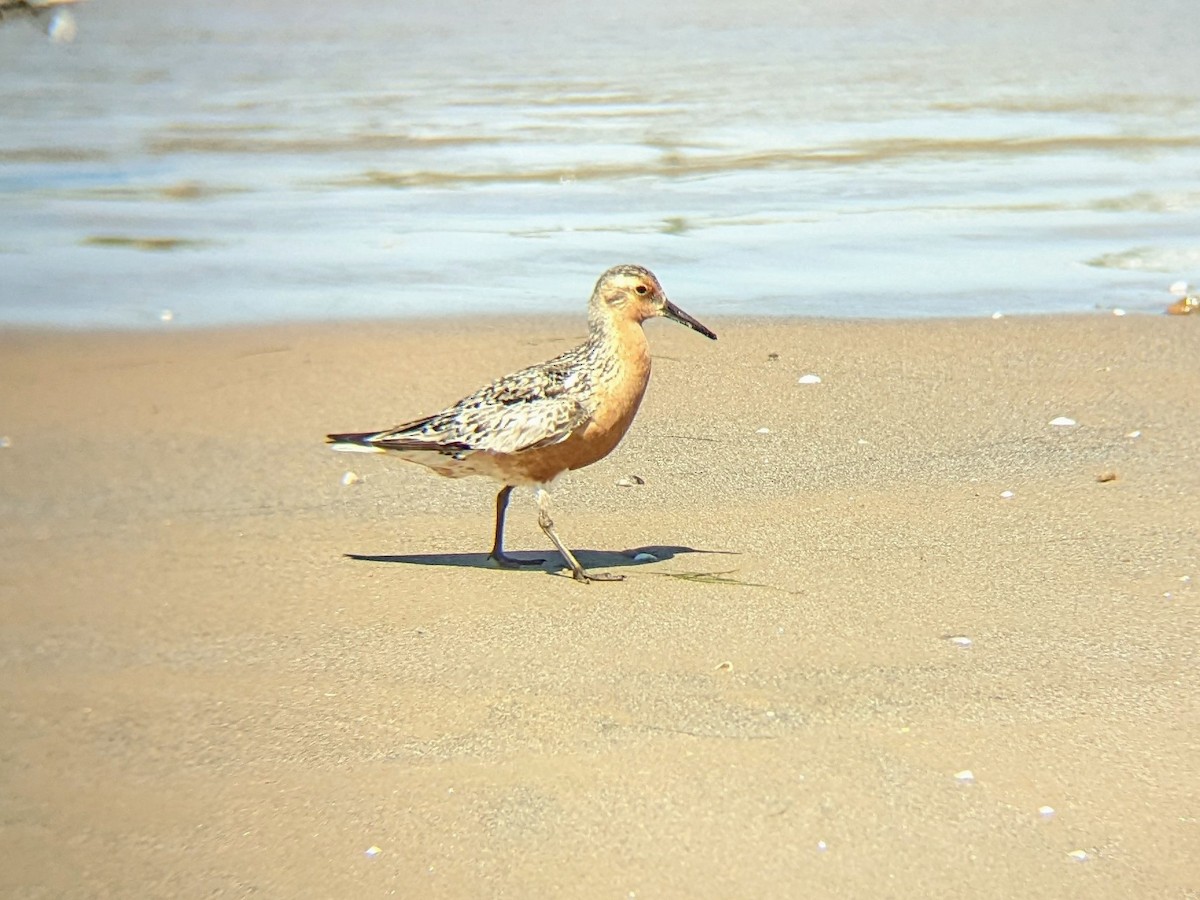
(504, 561)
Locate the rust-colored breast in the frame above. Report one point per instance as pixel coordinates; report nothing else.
(615, 394)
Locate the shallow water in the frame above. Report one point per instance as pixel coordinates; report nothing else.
(315, 160)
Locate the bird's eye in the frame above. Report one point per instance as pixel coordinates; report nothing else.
(641, 289)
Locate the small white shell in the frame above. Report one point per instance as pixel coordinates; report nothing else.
(1079, 855)
(350, 478)
(966, 776)
(1046, 812)
(62, 28)
(1007, 495)
(1118, 312)
(763, 430)
(1063, 421)
(810, 379)
(960, 640)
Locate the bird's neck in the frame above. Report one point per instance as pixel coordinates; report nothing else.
(620, 343)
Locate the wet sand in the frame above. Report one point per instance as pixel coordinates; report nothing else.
(226, 672)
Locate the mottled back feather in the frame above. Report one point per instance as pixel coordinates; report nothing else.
(532, 408)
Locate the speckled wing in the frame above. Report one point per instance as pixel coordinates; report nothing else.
(535, 407)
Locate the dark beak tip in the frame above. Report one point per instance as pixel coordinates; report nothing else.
(675, 313)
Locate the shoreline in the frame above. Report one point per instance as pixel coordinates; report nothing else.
(468, 319)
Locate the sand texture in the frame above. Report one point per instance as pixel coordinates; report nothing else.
(224, 672)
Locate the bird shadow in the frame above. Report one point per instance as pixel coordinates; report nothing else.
(589, 559)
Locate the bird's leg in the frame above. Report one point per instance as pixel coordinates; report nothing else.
(544, 520)
(503, 559)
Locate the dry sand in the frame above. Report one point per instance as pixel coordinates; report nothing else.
(204, 692)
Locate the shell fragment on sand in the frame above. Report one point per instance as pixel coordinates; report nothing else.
(1185, 306)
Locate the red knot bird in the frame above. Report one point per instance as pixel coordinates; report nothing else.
(529, 427)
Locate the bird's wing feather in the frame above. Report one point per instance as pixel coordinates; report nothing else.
(535, 407)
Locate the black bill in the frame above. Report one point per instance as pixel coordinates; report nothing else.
(675, 314)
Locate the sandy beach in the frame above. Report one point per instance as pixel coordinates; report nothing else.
(855, 668)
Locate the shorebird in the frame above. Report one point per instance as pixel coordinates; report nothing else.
(527, 428)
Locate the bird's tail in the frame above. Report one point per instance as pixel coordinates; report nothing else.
(354, 443)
